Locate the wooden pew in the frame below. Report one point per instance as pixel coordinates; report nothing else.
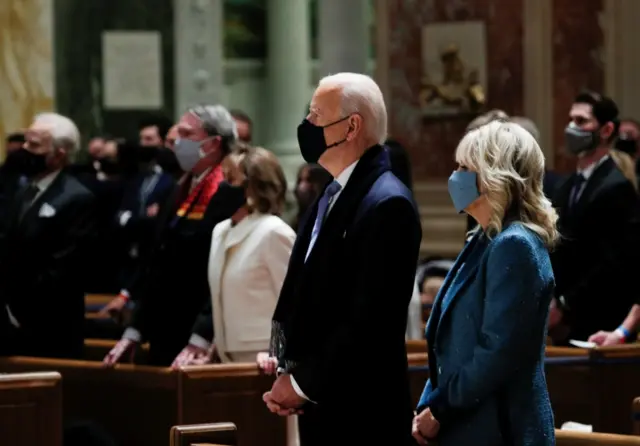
(569, 438)
(31, 409)
(97, 349)
(94, 302)
(136, 404)
(635, 415)
(232, 392)
(220, 434)
(139, 404)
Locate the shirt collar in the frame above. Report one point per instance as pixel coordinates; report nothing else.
(588, 171)
(43, 183)
(344, 176)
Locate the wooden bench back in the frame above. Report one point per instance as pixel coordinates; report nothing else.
(220, 434)
(136, 404)
(231, 392)
(31, 409)
(568, 438)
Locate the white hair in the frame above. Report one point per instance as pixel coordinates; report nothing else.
(360, 94)
(64, 133)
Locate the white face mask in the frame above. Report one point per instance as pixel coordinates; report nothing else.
(188, 153)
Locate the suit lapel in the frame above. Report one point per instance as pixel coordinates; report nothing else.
(593, 183)
(458, 278)
(50, 196)
(372, 164)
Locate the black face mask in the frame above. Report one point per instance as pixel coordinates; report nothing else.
(110, 166)
(26, 163)
(234, 196)
(146, 154)
(627, 145)
(311, 140)
(167, 160)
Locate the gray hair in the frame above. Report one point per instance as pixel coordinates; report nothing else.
(217, 121)
(360, 94)
(63, 131)
(528, 125)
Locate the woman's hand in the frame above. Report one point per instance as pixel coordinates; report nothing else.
(425, 427)
(268, 364)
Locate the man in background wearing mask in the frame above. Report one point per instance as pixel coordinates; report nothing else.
(154, 133)
(171, 290)
(41, 267)
(145, 196)
(598, 215)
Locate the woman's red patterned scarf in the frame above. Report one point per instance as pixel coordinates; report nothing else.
(202, 193)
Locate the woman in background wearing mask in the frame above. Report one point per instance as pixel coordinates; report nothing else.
(170, 290)
(247, 263)
(487, 350)
(312, 178)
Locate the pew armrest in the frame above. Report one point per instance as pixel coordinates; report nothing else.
(212, 433)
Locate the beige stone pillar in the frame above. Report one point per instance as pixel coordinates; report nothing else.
(538, 71)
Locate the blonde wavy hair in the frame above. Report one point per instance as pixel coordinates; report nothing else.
(510, 167)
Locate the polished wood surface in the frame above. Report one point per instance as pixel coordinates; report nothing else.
(214, 434)
(31, 409)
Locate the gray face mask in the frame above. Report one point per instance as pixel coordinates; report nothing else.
(578, 141)
(188, 153)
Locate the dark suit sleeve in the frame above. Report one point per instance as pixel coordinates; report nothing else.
(515, 291)
(388, 242)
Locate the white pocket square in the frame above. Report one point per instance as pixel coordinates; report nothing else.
(46, 211)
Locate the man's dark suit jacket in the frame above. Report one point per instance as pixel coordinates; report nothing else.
(139, 229)
(355, 286)
(172, 290)
(41, 270)
(594, 264)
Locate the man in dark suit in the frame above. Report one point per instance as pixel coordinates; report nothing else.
(51, 218)
(171, 290)
(598, 210)
(352, 269)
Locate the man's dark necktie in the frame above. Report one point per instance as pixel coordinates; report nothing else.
(323, 207)
(28, 196)
(576, 190)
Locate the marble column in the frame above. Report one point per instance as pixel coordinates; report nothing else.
(343, 36)
(199, 53)
(622, 55)
(538, 72)
(288, 79)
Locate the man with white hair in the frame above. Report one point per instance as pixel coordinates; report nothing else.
(351, 274)
(171, 291)
(50, 222)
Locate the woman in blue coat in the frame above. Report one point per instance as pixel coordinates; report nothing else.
(487, 330)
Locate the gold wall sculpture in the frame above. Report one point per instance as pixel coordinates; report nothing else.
(26, 63)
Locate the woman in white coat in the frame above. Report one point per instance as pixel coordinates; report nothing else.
(247, 264)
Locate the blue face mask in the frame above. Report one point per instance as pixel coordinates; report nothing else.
(463, 188)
